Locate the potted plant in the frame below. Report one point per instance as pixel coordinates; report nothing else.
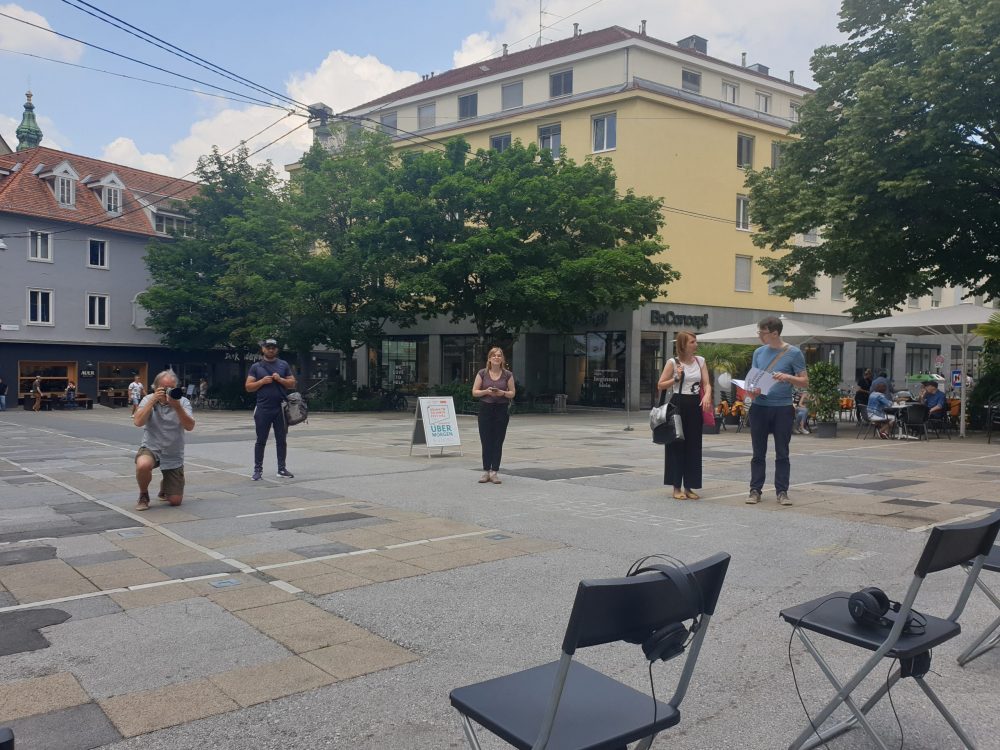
(824, 395)
(721, 359)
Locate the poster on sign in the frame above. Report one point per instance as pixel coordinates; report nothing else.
(956, 378)
(435, 423)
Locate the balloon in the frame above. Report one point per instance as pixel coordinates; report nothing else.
(725, 380)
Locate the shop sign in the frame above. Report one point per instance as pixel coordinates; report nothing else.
(606, 378)
(670, 318)
(87, 373)
(435, 423)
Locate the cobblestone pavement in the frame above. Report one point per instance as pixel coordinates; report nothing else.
(338, 609)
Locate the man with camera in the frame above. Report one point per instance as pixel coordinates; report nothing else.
(165, 414)
(271, 379)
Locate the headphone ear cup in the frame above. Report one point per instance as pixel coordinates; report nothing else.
(864, 607)
(665, 643)
(881, 599)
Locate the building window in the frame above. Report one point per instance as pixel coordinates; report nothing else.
(550, 136)
(730, 92)
(776, 148)
(166, 224)
(691, 81)
(512, 95)
(40, 309)
(468, 106)
(427, 116)
(743, 265)
(837, 288)
(97, 256)
(920, 358)
(744, 151)
(912, 302)
(55, 376)
(936, 296)
(561, 84)
(774, 286)
(605, 128)
(40, 246)
(388, 123)
(500, 142)
(97, 311)
(66, 191)
(793, 112)
(113, 200)
(742, 212)
(763, 102)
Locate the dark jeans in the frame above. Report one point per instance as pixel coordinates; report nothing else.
(777, 421)
(493, 419)
(264, 420)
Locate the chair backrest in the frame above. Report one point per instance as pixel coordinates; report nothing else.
(916, 414)
(957, 543)
(617, 609)
(861, 411)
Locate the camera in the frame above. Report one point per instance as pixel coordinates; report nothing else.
(176, 393)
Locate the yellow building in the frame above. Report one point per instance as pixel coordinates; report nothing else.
(678, 124)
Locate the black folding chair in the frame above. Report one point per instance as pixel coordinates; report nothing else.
(865, 426)
(947, 547)
(6, 739)
(914, 420)
(989, 638)
(569, 706)
(938, 421)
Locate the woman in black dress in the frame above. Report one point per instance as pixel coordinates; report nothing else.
(687, 376)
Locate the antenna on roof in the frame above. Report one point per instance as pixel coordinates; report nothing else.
(540, 11)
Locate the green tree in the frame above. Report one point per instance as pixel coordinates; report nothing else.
(229, 283)
(519, 239)
(897, 158)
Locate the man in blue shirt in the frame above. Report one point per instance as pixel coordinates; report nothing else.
(934, 400)
(773, 413)
(270, 378)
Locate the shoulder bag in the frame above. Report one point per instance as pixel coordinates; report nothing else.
(294, 407)
(665, 420)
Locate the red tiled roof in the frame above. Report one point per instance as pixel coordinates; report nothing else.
(25, 193)
(552, 51)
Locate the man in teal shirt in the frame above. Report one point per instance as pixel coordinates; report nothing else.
(773, 413)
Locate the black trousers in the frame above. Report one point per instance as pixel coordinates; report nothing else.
(777, 421)
(682, 461)
(264, 420)
(493, 420)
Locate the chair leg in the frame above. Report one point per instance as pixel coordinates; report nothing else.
(470, 733)
(843, 697)
(974, 649)
(952, 721)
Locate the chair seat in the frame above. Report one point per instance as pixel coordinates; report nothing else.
(596, 712)
(829, 616)
(993, 560)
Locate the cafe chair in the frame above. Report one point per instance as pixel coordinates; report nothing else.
(992, 416)
(989, 638)
(865, 426)
(566, 705)
(914, 420)
(892, 631)
(939, 421)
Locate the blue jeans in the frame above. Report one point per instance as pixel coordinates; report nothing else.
(764, 421)
(3, 403)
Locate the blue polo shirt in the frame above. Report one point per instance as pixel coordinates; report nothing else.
(791, 362)
(270, 396)
(935, 399)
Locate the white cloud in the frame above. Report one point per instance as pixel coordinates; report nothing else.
(343, 81)
(51, 135)
(782, 35)
(20, 37)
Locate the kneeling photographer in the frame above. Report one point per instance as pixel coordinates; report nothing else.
(165, 414)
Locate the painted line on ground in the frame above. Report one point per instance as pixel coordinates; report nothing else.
(297, 510)
(957, 519)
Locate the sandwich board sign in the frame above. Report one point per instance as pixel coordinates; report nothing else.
(435, 424)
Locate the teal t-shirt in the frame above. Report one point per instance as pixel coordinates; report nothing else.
(791, 362)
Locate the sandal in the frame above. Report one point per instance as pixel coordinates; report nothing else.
(690, 495)
(678, 495)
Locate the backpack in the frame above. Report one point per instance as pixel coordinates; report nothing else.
(295, 408)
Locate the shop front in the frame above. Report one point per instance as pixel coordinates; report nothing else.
(589, 367)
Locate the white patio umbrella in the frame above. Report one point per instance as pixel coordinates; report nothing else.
(793, 331)
(957, 320)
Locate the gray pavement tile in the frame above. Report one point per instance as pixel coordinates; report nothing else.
(321, 550)
(7, 599)
(190, 570)
(295, 523)
(82, 507)
(92, 606)
(77, 728)
(20, 629)
(883, 484)
(552, 474)
(97, 557)
(26, 554)
(30, 479)
(909, 502)
(977, 503)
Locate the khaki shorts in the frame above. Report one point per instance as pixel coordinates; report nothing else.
(173, 479)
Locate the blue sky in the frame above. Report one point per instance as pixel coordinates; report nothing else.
(340, 52)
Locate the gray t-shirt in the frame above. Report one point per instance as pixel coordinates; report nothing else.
(163, 434)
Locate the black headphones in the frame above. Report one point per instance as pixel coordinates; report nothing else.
(870, 605)
(669, 641)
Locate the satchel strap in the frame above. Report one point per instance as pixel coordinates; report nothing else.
(777, 356)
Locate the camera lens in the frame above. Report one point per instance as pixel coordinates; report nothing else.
(176, 393)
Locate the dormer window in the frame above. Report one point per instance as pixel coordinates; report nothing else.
(113, 200)
(167, 224)
(62, 180)
(66, 191)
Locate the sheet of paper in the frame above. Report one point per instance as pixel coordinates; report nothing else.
(761, 379)
(740, 383)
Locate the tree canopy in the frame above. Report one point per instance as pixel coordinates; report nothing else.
(897, 158)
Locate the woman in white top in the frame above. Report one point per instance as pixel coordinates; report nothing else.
(687, 375)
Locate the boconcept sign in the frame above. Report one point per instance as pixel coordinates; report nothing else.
(670, 318)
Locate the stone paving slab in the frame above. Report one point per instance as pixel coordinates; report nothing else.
(77, 728)
(360, 657)
(40, 695)
(141, 713)
(267, 682)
